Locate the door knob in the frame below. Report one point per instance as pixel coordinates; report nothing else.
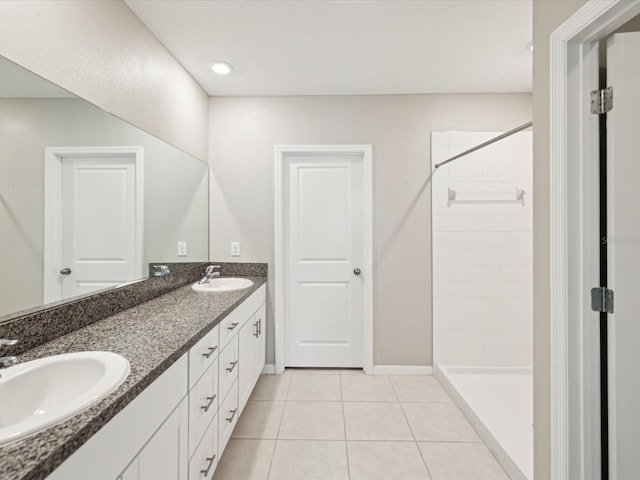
(65, 271)
(357, 271)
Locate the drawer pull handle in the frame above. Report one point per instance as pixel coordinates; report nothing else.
(206, 471)
(211, 350)
(208, 405)
(233, 414)
(233, 365)
(260, 327)
(233, 326)
(257, 332)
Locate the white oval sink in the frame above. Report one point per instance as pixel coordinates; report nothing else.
(222, 284)
(44, 392)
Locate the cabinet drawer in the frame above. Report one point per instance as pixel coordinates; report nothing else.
(228, 367)
(227, 417)
(205, 459)
(230, 325)
(203, 354)
(203, 405)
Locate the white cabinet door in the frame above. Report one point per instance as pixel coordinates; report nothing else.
(247, 337)
(132, 472)
(260, 342)
(165, 456)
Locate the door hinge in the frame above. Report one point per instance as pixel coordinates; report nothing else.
(602, 300)
(602, 100)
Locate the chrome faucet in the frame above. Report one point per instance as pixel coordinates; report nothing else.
(209, 273)
(160, 270)
(6, 362)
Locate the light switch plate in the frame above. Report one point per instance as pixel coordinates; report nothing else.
(182, 249)
(235, 249)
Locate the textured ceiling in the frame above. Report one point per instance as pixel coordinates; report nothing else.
(348, 47)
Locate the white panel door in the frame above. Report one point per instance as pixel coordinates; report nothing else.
(623, 195)
(98, 223)
(324, 238)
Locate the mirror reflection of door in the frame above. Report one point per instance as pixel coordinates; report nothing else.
(99, 210)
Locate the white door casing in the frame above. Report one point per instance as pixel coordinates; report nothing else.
(623, 252)
(94, 218)
(323, 233)
(575, 436)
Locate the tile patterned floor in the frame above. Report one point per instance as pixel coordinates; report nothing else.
(344, 425)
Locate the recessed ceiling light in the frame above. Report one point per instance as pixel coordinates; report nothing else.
(221, 68)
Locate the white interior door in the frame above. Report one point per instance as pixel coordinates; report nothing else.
(623, 195)
(99, 223)
(324, 230)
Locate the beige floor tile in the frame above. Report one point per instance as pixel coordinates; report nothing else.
(312, 421)
(375, 421)
(245, 460)
(367, 388)
(313, 371)
(469, 461)
(385, 460)
(439, 422)
(419, 388)
(319, 388)
(271, 387)
(309, 460)
(259, 420)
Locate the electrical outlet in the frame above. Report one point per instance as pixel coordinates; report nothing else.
(235, 249)
(182, 249)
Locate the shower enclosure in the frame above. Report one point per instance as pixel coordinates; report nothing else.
(482, 286)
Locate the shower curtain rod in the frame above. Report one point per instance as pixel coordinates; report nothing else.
(488, 142)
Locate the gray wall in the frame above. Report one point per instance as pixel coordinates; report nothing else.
(243, 132)
(102, 52)
(176, 185)
(547, 16)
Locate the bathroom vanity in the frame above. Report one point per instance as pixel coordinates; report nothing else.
(178, 427)
(195, 358)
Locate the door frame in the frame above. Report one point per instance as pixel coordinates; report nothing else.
(282, 152)
(53, 157)
(574, 209)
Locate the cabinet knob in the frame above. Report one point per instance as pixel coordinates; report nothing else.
(65, 271)
(357, 272)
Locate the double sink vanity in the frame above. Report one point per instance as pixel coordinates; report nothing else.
(151, 392)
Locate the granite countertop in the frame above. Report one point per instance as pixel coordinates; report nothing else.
(152, 336)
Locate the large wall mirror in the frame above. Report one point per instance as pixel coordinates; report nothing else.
(87, 201)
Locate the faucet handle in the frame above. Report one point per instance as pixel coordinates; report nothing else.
(5, 342)
(211, 268)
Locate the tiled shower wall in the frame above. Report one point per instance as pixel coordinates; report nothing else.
(482, 250)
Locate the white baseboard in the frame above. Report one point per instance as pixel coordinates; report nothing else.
(402, 370)
(269, 369)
